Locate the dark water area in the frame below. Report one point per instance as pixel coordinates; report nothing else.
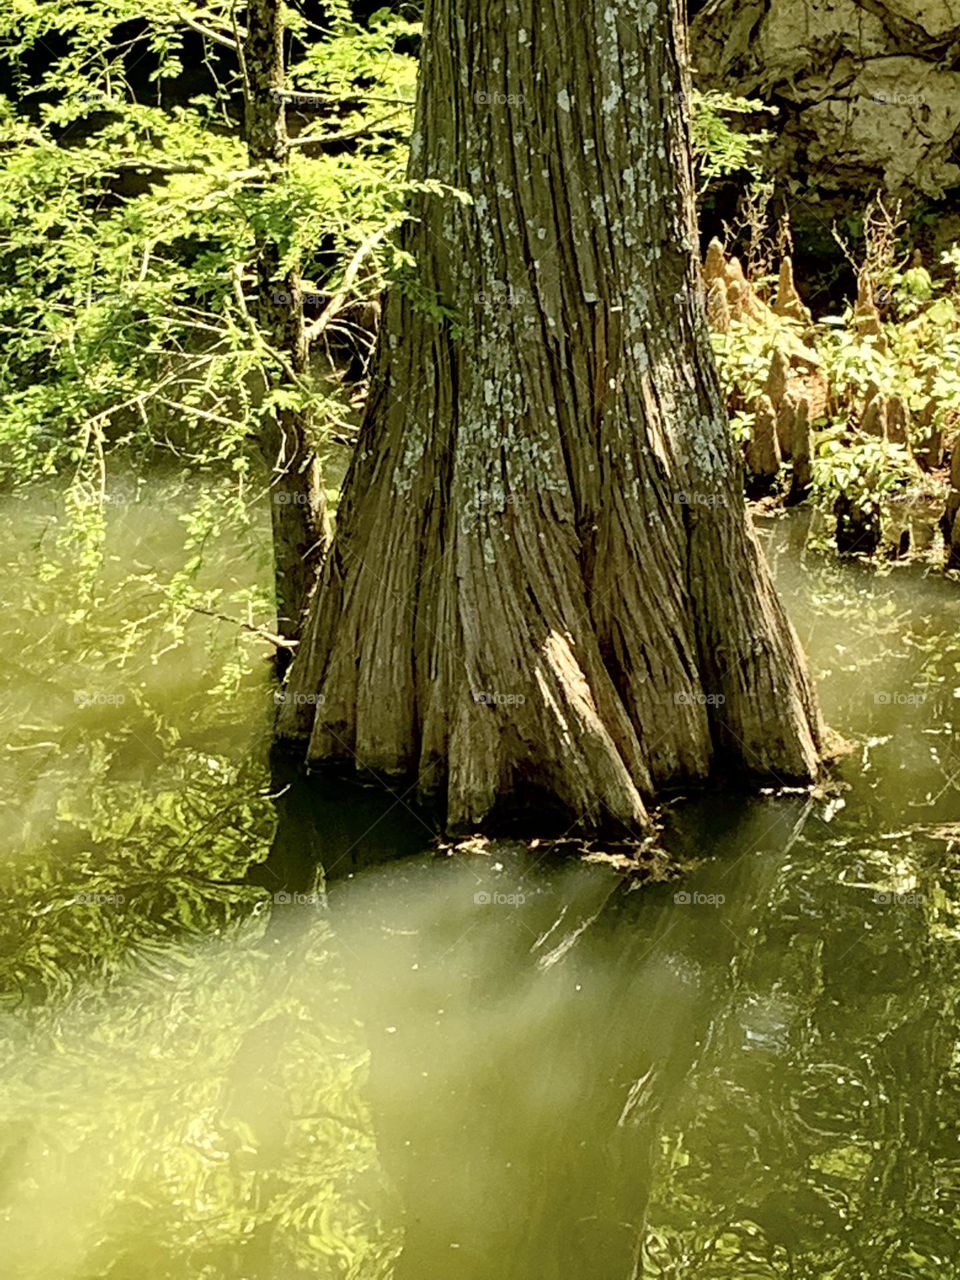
(490, 1066)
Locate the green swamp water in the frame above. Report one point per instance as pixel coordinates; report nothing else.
(488, 1067)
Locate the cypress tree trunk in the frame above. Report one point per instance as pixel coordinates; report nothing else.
(543, 578)
(298, 513)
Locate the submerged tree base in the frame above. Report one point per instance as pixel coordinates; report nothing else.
(543, 579)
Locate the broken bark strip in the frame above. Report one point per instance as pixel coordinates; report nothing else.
(543, 578)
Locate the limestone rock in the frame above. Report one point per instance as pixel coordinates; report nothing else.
(869, 94)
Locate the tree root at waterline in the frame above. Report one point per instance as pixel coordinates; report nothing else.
(543, 583)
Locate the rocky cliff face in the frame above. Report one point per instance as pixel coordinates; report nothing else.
(868, 90)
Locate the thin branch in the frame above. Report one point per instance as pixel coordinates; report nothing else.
(194, 412)
(306, 139)
(349, 276)
(278, 641)
(240, 38)
(209, 34)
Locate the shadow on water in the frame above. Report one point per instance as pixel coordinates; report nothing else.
(532, 1025)
(331, 827)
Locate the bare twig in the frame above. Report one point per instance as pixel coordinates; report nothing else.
(270, 636)
(349, 276)
(209, 33)
(306, 139)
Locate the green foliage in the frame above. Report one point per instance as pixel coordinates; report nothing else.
(914, 359)
(864, 470)
(743, 356)
(130, 219)
(127, 233)
(721, 146)
(919, 359)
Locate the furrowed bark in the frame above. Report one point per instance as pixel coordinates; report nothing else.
(543, 578)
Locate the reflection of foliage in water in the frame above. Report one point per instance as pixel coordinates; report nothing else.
(182, 1094)
(816, 1133)
(804, 1153)
(201, 1117)
(133, 763)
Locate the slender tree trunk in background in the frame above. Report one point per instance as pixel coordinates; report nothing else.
(298, 507)
(543, 579)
